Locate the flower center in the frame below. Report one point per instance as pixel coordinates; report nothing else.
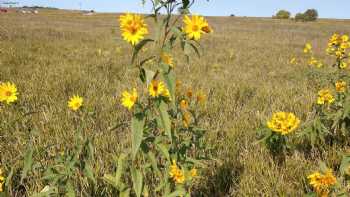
(195, 28)
(133, 29)
(8, 93)
(155, 88)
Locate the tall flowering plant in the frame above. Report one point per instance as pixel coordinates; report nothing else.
(331, 122)
(167, 146)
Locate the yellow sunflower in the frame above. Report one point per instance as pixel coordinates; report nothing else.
(2, 181)
(195, 27)
(201, 97)
(308, 48)
(189, 92)
(8, 92)
(283, 122)
(325, 97)
(293, 61)
(129, 99)
(186, 119)
(340, 86)
(133, 28)
(167, 59)
(176, 173)
(183, 104)
(126, 20)
(75, 102)
(321, 182)
(156, 88)
(166, 94)
(343, 65)
(193, 172)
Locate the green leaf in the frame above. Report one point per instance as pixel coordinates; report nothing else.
(138, 47)
(165, 120)
(171, 84)
(89, 173)
(146, 60)
(187, 49)
(9, 177)
(115, 180)
(345, 163)
(178, 192)
(28, 162)
(137, 180)
(137, 124)
(323, 166)
(185, 4)
(125, 193)
(196, 50)
(164, 150)
(120, 169)
(110, 179)
(153, 160)
(46, 191)
(149, 75)
(70, 190)
(196, 162)
(177, 31)
(312, 194)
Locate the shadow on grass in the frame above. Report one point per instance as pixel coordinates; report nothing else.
(221, 180)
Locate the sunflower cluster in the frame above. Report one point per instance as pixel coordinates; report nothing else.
(314, 62)
(338, 46)
(166, 108)
(325, 96)
(321, 182)
(186, 99)
(283, 123)
(156, 89)
(133, 28)
(176, 173)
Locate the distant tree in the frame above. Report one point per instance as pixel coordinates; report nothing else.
(232, 15)
(282, 14)
(299, 17)
(310, 15)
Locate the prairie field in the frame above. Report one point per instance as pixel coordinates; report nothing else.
(244, 70)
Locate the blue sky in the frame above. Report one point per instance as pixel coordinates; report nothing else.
(326, 8)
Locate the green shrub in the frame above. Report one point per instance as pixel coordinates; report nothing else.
(299, 17)
(282, 14)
